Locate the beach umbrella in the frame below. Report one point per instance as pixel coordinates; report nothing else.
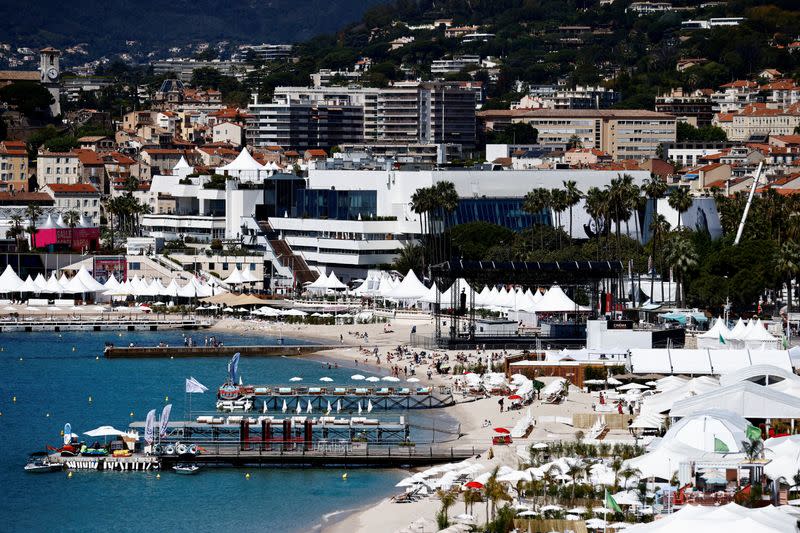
(373, 379)
(326, 379)
(473, 485)
(551, 507)
(359, 406)
(528, 513)
(407, 482)
(390, 379)
(464, 517)
(299, 409)
(633, 386)
(577, 510)
(357, 377)
(338, 405)
(502, 431)
(369, 406)
(596, 523)
(308, 407)
(413, 380)
(516, 397)
(328, 411)
(540, 446)
(264, 411)
(105, 431)
(284, 408)
(603, 510)
(296, 378)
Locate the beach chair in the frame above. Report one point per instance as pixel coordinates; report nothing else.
(339, 391)
(423, 391)
(383, 391)
(361, 391)
(315, 390)
(404, 391)
(284, 390)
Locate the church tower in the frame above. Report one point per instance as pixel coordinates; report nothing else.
(49, 75)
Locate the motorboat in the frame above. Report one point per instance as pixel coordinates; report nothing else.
(186, 468)
(39, 463)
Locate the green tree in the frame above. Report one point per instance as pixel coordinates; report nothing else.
(681, 256)
(495, 491)
(72, 218)
(447, 498)
(33, 212)
(28, 97)
(514, 133)
(16, 231)
(572, 198)
(410, 258)
(680, 200)
(537, 203)
(788, 267)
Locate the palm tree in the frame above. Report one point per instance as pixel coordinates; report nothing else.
(596, 207)
(788, 264)
(628, 473)
(72, 218)
(471, 497)
(619, 204)
(109, 206)
(752, 448)
(446, 202)
(410, 257)
(495, 491)
(558, 201)
(15, 231)
(682, 257)
(575, 469)
(659, 227)
(680, 200)
(572, 197)
(535, 202)
(654, 188)
(616, 466)
(447, 498)
(33, 212)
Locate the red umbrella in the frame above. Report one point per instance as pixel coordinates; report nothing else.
(474, 485)
(515, 397)
(503, 431)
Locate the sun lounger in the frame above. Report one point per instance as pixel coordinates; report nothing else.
(284, 390)
(340, 390)
(404, 391)
(424, 390)
(315, 390)
(361, 391)
(383, 391)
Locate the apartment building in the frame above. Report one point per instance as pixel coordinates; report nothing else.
(561, 97)
(734, 96)
(440, 67)
(622, 133)
(13, 166)
(184, 68)
(758, 119)
(416, 113)
(81, 197)
(694, 108)
(57, 167)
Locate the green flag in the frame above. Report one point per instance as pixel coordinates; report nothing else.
(753, 433)
(611, 503)
(720, 446)
(721, 339)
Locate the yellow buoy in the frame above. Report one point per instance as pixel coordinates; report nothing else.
(344, 476)
(14, 399)
(166, 398)
(158, 476)
(247, 476)
(69, 474)
(131, 414)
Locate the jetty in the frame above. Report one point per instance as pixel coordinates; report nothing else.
(270, 350)
(105, 323)
(348, 399)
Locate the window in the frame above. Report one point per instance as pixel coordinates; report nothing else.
(224, 266)
(252, 266)
(134, 266)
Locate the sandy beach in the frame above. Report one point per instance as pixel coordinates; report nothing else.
(472, 414)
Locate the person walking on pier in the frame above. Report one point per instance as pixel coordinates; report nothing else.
(501, 404)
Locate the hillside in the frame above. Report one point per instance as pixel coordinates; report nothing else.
(107, 25)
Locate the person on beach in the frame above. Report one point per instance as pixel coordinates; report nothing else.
(501, 404)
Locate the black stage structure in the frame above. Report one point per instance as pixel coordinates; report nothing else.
(602, 278)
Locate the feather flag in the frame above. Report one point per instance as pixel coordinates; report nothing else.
(164, 420)
(149, 425)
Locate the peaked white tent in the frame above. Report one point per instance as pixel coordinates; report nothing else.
(711, 338)
(244, 166)
(171, 289)
(410, 289)
(41, 283)
(556, 301)
(53, 286)
(88, 280)
(235, 278)
(334, 284)
(9, 281)
(28, 286)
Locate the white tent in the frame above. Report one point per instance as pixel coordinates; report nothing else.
(53, 286)
(737, 332)
(171, 289)
(9, 281)
(784, 456)
(244, 166)
(111, 283)
(76, 286)
(758, 336)
(701, 430)
(410, 289)
(235, 278)
(334, 284)
(727, 518)
(666, 400)
(88, 280)
(717, 336)
(555, 301)
(745, 399)
(63, 280)
(28, 286)
(41, 282)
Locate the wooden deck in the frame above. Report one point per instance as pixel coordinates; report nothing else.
(107, 323)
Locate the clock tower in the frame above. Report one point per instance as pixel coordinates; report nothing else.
(49, 73)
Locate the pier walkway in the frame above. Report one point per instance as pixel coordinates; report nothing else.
(150, 352)
(106, 323)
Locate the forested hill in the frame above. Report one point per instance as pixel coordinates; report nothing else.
(106, 25)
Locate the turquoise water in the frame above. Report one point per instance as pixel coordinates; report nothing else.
(52, 384)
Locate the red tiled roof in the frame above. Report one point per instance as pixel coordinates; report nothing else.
(25, 197)
(89, 157)
(740, 84)
(73, 188)
(316, 152)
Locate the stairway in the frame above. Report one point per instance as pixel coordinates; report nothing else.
(300, 269)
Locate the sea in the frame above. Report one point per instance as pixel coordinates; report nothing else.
(49, 379)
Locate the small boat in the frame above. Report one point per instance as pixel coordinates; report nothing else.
(39, 463)
(186, 468)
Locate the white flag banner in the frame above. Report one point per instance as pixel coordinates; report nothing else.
(192, 386)
(165, 420)
(149, 424)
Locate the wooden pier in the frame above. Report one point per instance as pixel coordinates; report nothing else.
(272, 350)
(109, 322)
(350, 402)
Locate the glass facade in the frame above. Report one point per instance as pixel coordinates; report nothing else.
(505, 212)
(336, 205)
